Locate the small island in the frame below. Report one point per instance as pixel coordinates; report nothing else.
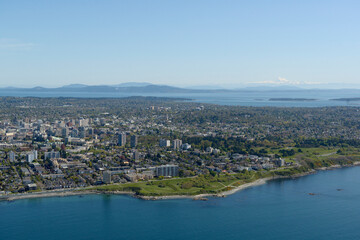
(346, 99)
(293, 99)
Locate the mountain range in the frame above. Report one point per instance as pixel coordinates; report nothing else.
(145, 87)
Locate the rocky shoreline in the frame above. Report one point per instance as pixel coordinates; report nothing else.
(203, 197)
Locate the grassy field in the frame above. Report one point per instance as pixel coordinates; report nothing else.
(187, 186)
(309, 158)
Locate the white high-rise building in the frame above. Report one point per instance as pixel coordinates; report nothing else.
(164, 143)
(31, 156)
(177, 144)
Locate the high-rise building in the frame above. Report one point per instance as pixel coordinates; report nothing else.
(91, 131)
(133, 141)
(122, 139)
(35, 154)
(31, 156)
(65, 132)
(164, 143)
(11, 156)
(83, 122)
(177, 144)
(74, 133)
(82, 132)
(107, 177)
(136, 155)
(52, 155)
(167, 170)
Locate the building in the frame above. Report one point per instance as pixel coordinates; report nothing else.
(133, 141)
(83, 122)
(177, 144)
(74, 133)
(51, 155)
(65, 132)
(35, 154)
(75, 141)
(31, 186)
(186, 146)
(167, 170)
(107, 177)
(136, 155)
(164, 143)
(11, 156)
(122, 139)
(134, 177)
(90, 131)
(216, 151)
(31, 156)
(280, 162)
(82, 132)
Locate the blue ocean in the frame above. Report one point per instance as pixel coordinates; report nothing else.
(280, 209)
(322, 98)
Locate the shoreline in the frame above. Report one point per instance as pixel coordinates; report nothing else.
(203, 197)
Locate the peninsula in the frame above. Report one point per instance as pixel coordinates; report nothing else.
(162, 147)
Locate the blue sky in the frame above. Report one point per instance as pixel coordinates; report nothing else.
(182, 43)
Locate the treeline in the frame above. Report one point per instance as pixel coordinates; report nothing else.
(328, 142)
(231, 144)
(244, 146)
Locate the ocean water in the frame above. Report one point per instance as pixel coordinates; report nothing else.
(280, 209)
(243, 98)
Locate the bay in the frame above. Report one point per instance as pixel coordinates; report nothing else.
(239, 98)
(280, 209)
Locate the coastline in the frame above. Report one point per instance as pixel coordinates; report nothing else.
(80, 192)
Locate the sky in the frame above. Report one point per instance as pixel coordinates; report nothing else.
(228, 43)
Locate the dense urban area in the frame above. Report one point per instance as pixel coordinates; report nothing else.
(74, 143)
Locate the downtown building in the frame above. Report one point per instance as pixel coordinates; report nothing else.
(122, 139)
(133, 141)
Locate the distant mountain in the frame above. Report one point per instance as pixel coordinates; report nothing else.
(133, 84)
(127, 84)
(143, 88)
(75, 86)
(125, 87)
(38, 88)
